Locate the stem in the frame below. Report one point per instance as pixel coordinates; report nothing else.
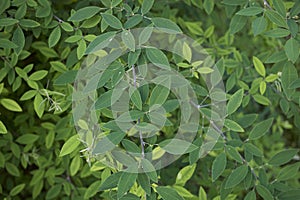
(266, 4)
(140, 132)
(58, 19)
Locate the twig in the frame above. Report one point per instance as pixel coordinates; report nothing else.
(266, 4)
(140, 132)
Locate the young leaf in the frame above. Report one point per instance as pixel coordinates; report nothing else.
(166, 25)
(3, 129)
(260, 129)
(126, 182)
(70, 145)
(259, 66)
(283, 157)
(236, 176)
(168, 193)
(92, 190)
(10, 104)
(185, 174)
(84, 13)
(17, 189)
(235, 101)
(232, 125)
(218, 166)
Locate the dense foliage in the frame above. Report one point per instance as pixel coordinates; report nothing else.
(49, 150)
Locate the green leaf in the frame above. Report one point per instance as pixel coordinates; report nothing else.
(92, 190)
(260, 129)
(233, 153)
(232, 125)
(11, 105)
(218, 166)
(39, 105)
(205, 70)
(277, 33)
(5, 43)
(54, 37)
(2, 128)
(262, 87)
(38, 75)
(136, 99)
(65, 78)
(54, 191)
(159, 95)
(280, 8)
(75, 165)
(100, 42)
(130, 196)
(288, 172)
(81, 49)
(202, 194)
(234, 2)
(292, 49)
(168, 193)
(126, 182)
(70, 145)
(145, 34)
(276, 18)
(29, 23)
(177, 146)
(235, 101)
(8, 21)
(250, 11)
(17, 189)
(208, 6)
(112, 21)
(253, 149)
(237, 23)
(166, 25)
(261, 99)
(19, 39)
(295, 9)
(133, 21)
(236, 176)
(84, 13)
(149, 169)
(144, 182)
(146, 6)
(259, 25)
(185, 174)
(128, 40)
(289, 195)
(250, 196)
(12, 169)
(259, 66)
(111, 181)
(289, 75)
(264, 192)
(283, 157)
(158, 58)
(27, 138)
(109, 142)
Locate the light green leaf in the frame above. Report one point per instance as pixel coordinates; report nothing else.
(146, 6)
(218, 166)
(39, 105)
(112, 21)
(235, 101)
(38, 75)
(185, 174)
(259, 66)
(2, 128)
(17, 189)
(205, 70)
(70, 145)
(236, 176)
(126, 182)
(75, 165)
(232, 125)
(92, 190)
(10, 104)
(111, 181)
(166, 25)
(292, 49)
(260, 129)
(261, 99)
(262, 87)
(54, 37)
(283, 157)
(158, 58)
(250, 11)
(168, 193)
(84, 13)
(81, 49)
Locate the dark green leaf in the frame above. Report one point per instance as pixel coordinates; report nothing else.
(109, 142)
(218, 166)
(158, 58)
(112, 21)
(264, 192)
(168, 193)
(84, 13)
(237, 23)
(236, 176)
(126, 182)
(283, 157)
(250, 11)
(260, 129)
(292, 49)
(146, 6)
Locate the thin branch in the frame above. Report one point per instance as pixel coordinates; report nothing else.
(266, 4)
(140, 132)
